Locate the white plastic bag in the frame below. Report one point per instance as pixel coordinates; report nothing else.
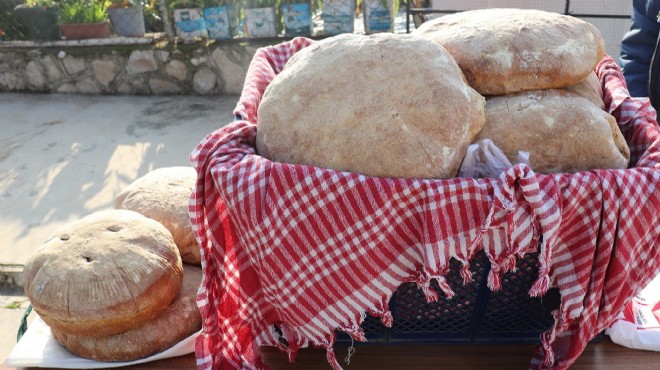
(485, 159)
(638, 325)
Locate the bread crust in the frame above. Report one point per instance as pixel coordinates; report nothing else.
(505, 51)
(178, 321)
(563, 132)
(163, 195)
(349, 103)
(104, 274)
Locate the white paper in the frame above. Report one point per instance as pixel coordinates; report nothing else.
(644, 334)
(38, 348)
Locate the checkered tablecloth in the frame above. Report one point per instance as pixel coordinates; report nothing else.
(313, 250)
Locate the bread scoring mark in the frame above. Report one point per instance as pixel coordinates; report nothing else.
(114, 228)
(122, 274)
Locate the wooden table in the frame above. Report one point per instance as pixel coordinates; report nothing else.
(603, 355)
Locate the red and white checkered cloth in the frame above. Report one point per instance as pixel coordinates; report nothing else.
(312, 250)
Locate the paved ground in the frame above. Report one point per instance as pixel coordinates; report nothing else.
(63, 157)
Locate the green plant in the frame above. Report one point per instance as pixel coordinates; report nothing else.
(83, 11)
(185, 4)
(386, 4)
(36, 3)
(122, 3)
(13, 29)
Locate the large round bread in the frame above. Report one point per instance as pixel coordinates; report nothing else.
(504, 51)
(104, 274)
(356, 103)
(563, 132)
(590, 89)
(163, 195)
(178, 321)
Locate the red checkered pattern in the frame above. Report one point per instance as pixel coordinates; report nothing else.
(313, 250)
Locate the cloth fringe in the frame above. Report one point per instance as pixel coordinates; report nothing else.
(332, 359)
(466, 274)
(444, 286)
(541, 285)
(356, 333)
(494, 277)
(386, 318)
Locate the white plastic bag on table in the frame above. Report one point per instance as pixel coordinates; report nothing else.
(638, 325)
(484, 159)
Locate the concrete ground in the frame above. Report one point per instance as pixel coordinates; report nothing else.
(63, 157)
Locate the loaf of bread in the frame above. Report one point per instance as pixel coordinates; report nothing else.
(178, 321)
(563, 132)
(590, 89)
(356, 103)
(163, 195)
(104, 274)
(504, 51)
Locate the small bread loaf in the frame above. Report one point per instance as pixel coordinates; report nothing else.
(562, 132)
(104, 274)
(163, 195)
(178, 321)
(350, 103)
(590, 89)
(504, 51)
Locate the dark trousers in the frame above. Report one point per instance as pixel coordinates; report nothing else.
(654, 78)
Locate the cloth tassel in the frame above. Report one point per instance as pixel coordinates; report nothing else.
(332, 359)
(423, 280)
(356, 333)
(547, 349)
(386, 318)
(494, 278)
(510, 263)
(444, 285)
(541, 286)
(430, 294)
(292, 341)
(292, 355)
(466, 274)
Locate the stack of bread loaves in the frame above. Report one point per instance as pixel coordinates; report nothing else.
(409, 105)
(112, 286)
(536, 69)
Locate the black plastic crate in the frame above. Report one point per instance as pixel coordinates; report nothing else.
(474, 315)
(446, 320)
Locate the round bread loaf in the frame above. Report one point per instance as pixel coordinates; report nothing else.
(163, 195)
(104, 274)
(563, 132)
(504, 51)
(590, 89)
(350, 103)
(178, 321)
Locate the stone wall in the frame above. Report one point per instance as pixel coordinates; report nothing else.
(139, 69)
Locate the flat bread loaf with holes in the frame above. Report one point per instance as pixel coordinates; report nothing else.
(504, 51)
(178, 321)
(104, 274)
(351, 103)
